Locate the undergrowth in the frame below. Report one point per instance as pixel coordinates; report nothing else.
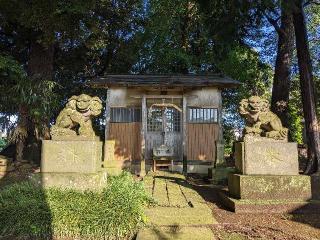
(117, 212)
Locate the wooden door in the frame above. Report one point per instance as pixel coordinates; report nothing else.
(164, 127)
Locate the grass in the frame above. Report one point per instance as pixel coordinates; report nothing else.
(117, 212)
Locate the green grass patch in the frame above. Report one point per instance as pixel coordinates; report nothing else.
(117, 212)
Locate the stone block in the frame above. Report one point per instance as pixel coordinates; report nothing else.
(76, 181)
(219, 175)
(269, 206)
(315, 186)
(109, 148)
(109, 162)
(71, 156)
(270, 187)
(266, 156)
(220, 161)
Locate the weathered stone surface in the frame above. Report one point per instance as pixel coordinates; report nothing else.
(268, 187)
(269, 206)
(77, 181)
(219, 175)
(260, 121)
(76, 118)
(220, 161)
(256, 155)
(71, 156)
(109, 162)
(109, 148)
(315, 186)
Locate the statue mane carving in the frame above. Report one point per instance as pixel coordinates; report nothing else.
(76, 118)
(260, 121)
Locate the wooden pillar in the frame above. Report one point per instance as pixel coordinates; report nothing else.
(184, 134)
(143, 135)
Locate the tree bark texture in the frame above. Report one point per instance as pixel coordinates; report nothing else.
(40, 63)
(40, 66)
(307, 87)
(281, 80)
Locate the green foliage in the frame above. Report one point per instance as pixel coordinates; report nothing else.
(3, 143)
(295, 112)
(313, 25)
(243, 64)
(10, 73)
(175, 39)
(116, 212)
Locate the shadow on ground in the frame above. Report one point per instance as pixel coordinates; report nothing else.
(24, 210)
(310, 213)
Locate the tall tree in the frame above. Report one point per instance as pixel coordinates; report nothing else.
(307, 86)
(29, 32)
(282, 71)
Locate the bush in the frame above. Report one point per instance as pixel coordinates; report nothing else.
(117, 212)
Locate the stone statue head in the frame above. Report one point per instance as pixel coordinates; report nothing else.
(255, 104)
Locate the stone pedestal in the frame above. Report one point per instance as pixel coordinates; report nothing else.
(109, 162)
(73, 164)
(265, 156)
(269, 179)
(218, 174)
(270, 187)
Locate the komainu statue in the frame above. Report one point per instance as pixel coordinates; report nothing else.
(260, 121)
(76, 118)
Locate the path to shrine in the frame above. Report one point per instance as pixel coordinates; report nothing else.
(179, 212)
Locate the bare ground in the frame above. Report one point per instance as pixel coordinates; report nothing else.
(236, 226)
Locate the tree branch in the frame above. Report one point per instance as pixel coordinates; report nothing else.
(316, 2)
(274, 23)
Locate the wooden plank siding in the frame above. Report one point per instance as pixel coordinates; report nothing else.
(127, 138)
(201, 141)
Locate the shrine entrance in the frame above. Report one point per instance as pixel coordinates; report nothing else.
(164, 127)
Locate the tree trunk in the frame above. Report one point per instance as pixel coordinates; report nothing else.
(307, 87)
(40, 66)
(281, 80)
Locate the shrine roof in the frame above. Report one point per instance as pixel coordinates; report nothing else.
(131, 80)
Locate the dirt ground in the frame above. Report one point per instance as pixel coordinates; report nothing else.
(236, 226)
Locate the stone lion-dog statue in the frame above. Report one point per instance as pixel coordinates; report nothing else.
(76, 118)
(260, 121)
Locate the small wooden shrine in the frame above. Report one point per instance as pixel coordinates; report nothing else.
(178, 114)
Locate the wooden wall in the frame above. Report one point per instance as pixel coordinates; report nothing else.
(201, 141)
(128, 140)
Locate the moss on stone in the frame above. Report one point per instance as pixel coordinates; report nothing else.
(270, 187)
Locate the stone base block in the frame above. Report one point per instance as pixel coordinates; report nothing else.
(76, 181)
(315, 186)
(71, 156)
(265, 156)
(269, 206)
(219, 175)
(269, 187)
